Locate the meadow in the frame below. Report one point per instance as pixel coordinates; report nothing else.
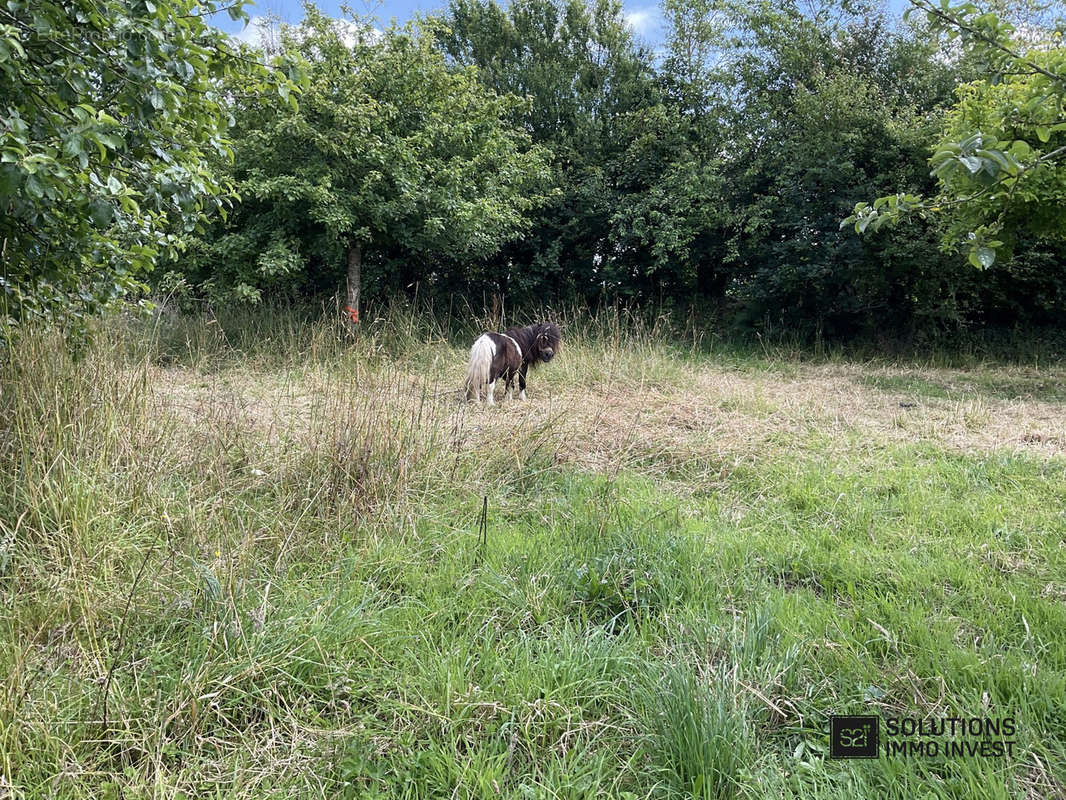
(245, 556)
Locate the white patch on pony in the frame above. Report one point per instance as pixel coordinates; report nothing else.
(522, 395)
(516, 347)
(477, 373)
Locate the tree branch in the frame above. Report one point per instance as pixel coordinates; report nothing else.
(957, 23)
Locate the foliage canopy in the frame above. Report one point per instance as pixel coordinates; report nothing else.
(111, 114)
(389, 154)
(541, 152)
(1001, 157)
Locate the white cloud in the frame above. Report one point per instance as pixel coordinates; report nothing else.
(643, 21)
(1033, 36)
(351, 32)
(267, 30)
(259, 30)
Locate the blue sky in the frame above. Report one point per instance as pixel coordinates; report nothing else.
(643, 16)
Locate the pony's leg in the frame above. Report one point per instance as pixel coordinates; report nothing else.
(522, 382)
(491, 393)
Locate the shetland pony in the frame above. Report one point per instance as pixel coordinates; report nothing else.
(505, 355)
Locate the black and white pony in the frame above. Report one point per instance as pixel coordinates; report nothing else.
(505, 355)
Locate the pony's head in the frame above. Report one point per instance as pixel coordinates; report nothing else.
(546, 341)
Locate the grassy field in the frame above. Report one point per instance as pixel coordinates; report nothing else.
(243, 557)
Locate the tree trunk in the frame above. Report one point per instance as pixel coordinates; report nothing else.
(355, 261)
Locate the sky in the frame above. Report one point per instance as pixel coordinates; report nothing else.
(644, 16)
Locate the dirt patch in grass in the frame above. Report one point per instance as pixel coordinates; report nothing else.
(722, 417)
(704, 423)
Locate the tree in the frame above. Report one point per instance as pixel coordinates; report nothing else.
(1001, 159)
(577, 63)
(827, 103)
(670, 214)
(389, 151)
(110, 112)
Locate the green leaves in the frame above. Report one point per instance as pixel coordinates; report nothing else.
(101, 212)
(977, 154)
(387, 147)
(1001, 161)
(982, 257)
(983, 247)
(583, 75)
(92, 130)
(884, 211)
(10, 44)
(991, 159)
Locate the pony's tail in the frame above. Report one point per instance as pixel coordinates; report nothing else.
(477, 372)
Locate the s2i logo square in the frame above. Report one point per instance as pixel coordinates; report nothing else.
(854, 736)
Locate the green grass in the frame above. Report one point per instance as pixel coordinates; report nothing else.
(1032, 386)
(197, 602)
(907, 386)
(1029, 385)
